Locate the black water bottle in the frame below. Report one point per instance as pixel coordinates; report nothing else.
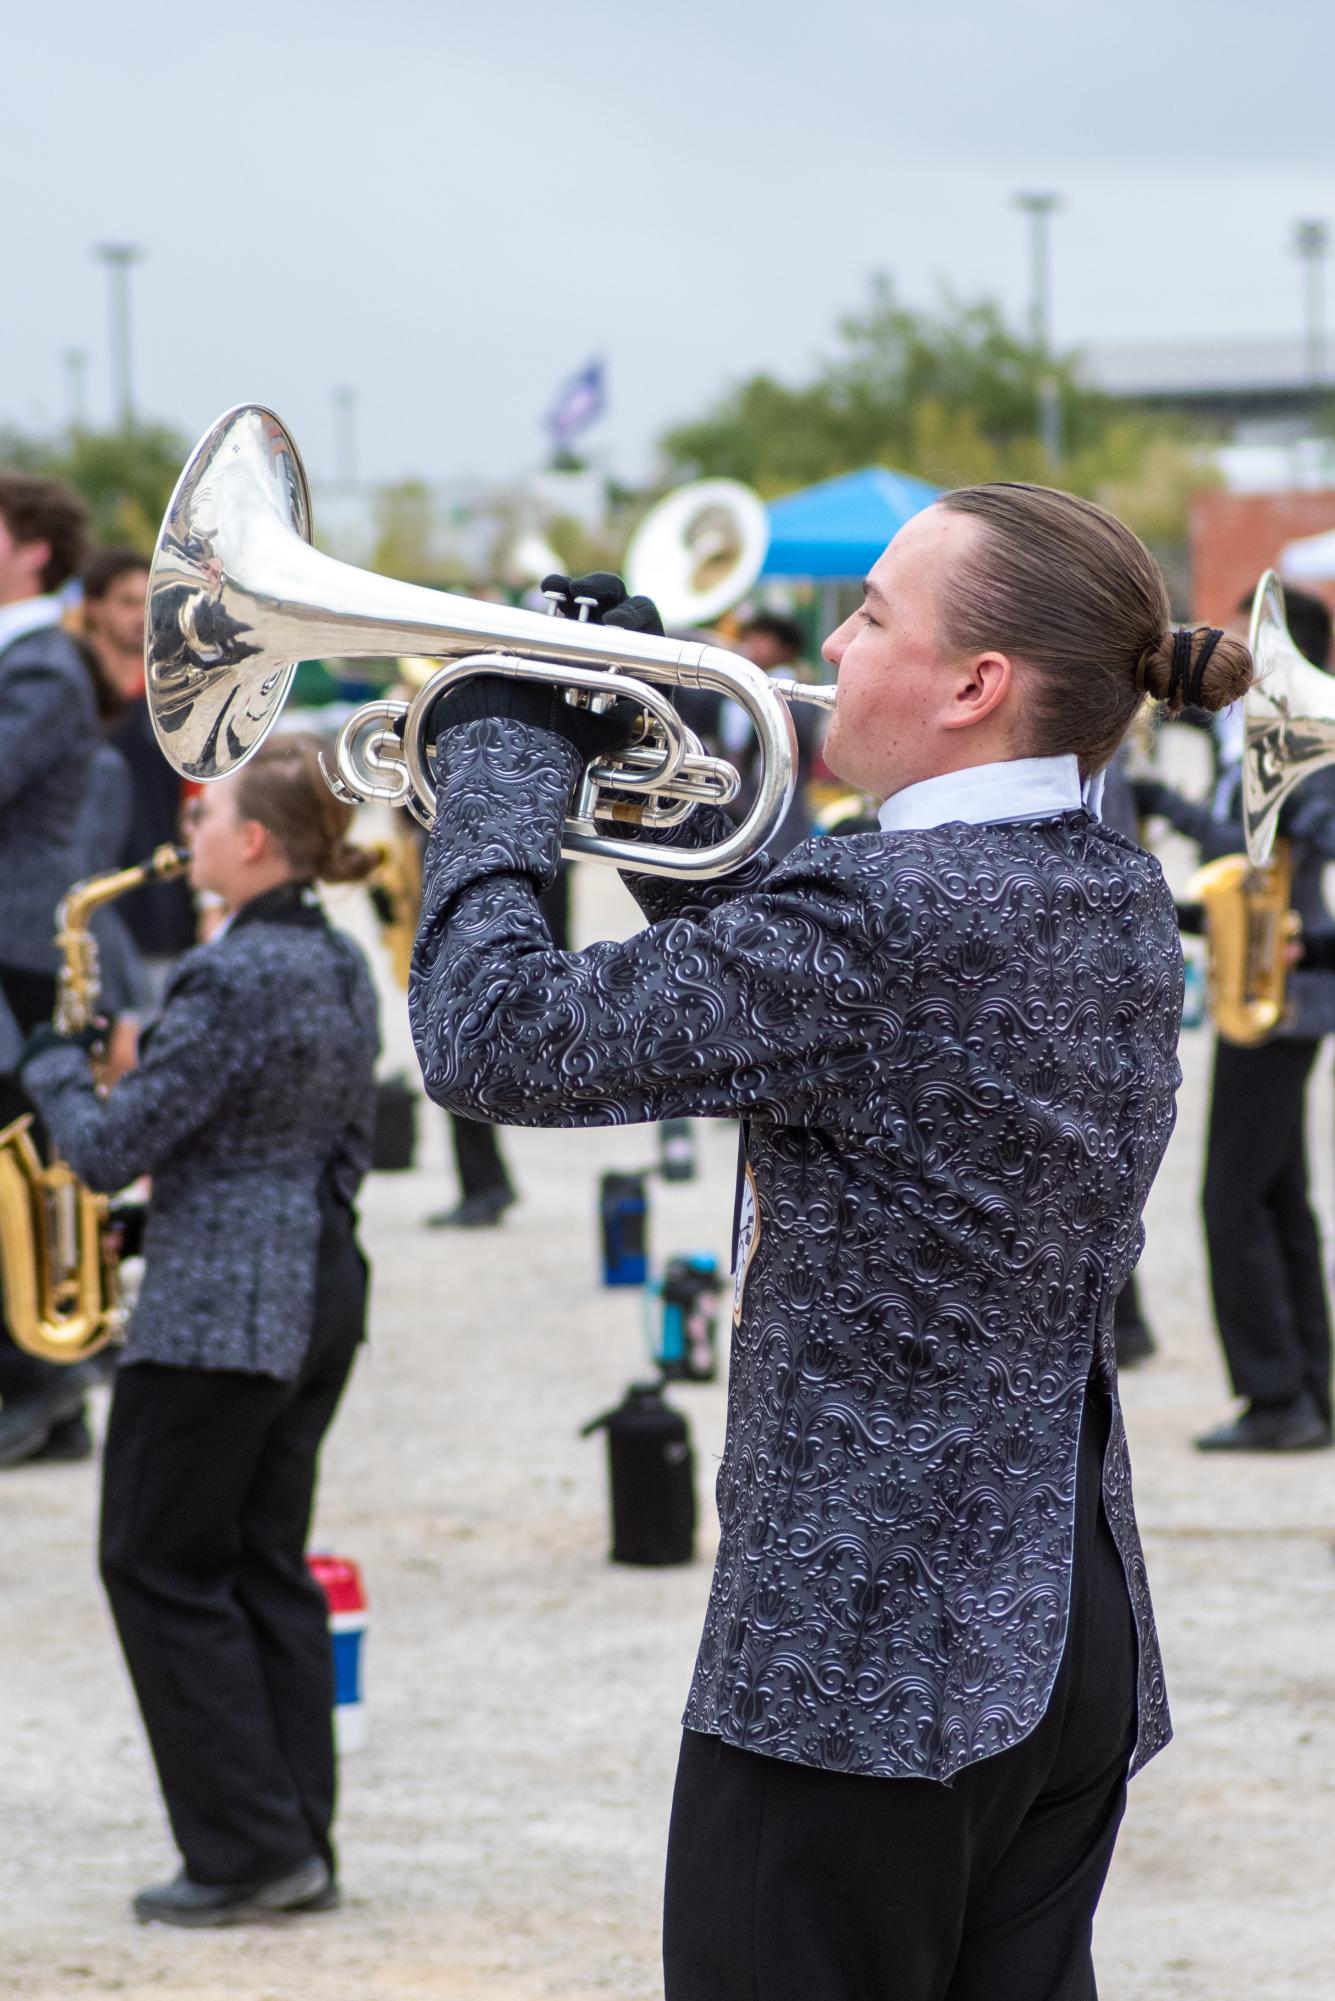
(651, 1470)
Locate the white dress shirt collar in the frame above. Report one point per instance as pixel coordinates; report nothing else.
(28, 615)
(1021, 788)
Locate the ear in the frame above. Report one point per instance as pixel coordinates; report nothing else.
(981, 686)
(254, 841)
(36, 555)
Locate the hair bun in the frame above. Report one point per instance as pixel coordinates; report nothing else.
(1183, 669)
(347, 862)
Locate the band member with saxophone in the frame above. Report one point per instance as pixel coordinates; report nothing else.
(48, 733)
(929, 1660)
(252, 1109)
(1267, 1276)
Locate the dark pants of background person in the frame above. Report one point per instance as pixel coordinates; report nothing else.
(787, 1883)
(478, 1159)
(32, 1000)
(208, 1483)
(1265, 1250)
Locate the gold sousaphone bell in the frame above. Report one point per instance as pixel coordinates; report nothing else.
(1288, 735)
(237, 596)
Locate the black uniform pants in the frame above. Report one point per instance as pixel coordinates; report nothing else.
(1265, 1251)
(788, 1883)
(208, 1484)
(478, 1159)
(32, 999)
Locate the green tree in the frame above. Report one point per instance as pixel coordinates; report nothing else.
(126, 477)
(950, 394)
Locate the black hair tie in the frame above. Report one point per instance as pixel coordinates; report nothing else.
(1197, 679)
(1181, 667)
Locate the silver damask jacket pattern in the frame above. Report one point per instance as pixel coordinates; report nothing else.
(257, 1081)
(954, 1054)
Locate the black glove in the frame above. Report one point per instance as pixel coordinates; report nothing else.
(542, 704)
(45, 1037)
(605, 598)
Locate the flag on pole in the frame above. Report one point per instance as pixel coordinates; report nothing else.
(580, 401)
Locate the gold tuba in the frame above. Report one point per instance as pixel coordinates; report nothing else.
(58, 1260)
(1288, 734)
(396, 897)
(1249, 927)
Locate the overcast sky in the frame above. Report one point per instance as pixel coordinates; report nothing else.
(451, 207)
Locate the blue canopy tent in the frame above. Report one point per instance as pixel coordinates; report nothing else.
(837, 529)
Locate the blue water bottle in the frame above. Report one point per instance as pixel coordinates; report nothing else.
(1193, 992)
(623, 1212)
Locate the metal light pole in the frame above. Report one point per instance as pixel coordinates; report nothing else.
(1311, 245)
(1039, 207)
(345, 435)
(118, 257)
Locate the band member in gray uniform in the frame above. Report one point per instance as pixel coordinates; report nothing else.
(252, 1109)
(929, 1660)
(48, 734)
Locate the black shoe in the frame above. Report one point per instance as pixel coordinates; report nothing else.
(1289, 1427)
(196, 1905)
(27, 1422)
(475, 1212)
(69, 1440)
(328, 1899)
(1133, 1342)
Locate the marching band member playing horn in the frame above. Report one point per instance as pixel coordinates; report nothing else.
(252, 1109)
(929, 1660)
(1267, 1277)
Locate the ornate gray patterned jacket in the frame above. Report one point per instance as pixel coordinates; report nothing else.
(955, 1056)
(48, 732)
(255, 1082)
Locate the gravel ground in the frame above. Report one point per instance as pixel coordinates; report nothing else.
(503, 1830)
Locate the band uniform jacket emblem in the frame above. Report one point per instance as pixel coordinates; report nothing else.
(748, 1239)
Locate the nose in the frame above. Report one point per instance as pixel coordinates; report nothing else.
(832, 651)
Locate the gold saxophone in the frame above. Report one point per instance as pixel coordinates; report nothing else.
(1249, 928)
(58, 1257)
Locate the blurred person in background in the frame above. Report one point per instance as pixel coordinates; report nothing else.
(252, 1109)
(48, 740)
(106, 819)
(1117, 809)
(115, 594)
(1267, 1276)
(159, 917)
(774, 643)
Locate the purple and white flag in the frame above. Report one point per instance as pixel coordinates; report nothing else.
(579, 403)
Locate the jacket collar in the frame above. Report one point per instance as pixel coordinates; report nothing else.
(290, 903)
(28, 615)
(1021, 788)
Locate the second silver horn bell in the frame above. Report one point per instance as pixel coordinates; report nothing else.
(237, 596)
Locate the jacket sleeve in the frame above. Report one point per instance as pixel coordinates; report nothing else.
(1309, 815)
(34, 708)
(1191, 817)
(352, 1157)
(189, 1063)
(753, 1006)
(661, 896)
